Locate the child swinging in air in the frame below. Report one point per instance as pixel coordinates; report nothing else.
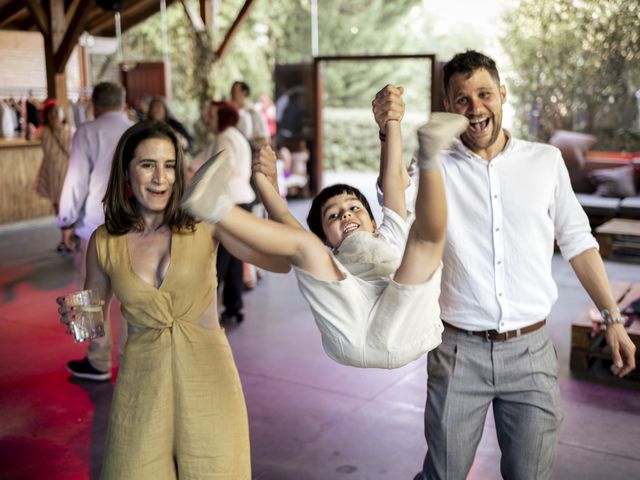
(374, 291)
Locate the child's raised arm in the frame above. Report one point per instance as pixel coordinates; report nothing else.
(264, 170)
(388, 108)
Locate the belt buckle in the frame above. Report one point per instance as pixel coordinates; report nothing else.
(487, 335)
(512, 334)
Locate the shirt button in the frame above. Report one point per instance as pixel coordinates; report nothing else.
(499, 294)
(497, 229)
(495, 196)
(499, 262)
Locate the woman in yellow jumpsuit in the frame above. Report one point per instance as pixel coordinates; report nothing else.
(178, 409)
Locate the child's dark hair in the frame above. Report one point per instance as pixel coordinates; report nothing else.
(314, 218)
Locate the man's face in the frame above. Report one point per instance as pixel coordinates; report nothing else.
(237, 95)
(479, 98)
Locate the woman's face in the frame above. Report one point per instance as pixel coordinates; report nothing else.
(157, 111)
(211, 119)
(55, 116)
(152, 174)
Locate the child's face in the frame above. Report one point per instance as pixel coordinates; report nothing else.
(342, 215)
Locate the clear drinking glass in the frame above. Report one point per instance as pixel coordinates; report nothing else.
(89, 321)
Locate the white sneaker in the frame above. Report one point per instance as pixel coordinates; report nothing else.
(437, 135)
(207, 196)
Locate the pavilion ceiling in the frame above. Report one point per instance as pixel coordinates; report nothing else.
(16, 14)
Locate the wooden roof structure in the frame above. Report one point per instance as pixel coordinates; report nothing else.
(30, 15)
(61, 22)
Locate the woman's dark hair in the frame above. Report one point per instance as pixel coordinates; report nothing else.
(120, 212)
(173, 122)
(466, 63)
(314, 218)
(162, 101)
(228, 115)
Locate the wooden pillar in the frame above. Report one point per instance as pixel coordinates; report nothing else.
(85, 74)
(233, 29)
(61, 30)
(315, 171)
(208, 10)
(57, 29)
(437, 88)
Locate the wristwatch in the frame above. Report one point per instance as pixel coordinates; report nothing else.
(611, 316)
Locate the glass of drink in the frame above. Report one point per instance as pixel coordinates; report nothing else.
(88, 321)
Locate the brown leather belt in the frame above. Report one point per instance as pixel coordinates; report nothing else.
(495, 336)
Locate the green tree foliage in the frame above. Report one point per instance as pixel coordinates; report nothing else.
(144, 42)
(576, 65)
(279, 32)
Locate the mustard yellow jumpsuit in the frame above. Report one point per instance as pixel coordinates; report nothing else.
(178, 409)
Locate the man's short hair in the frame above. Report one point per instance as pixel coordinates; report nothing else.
(466, 63)
(108, 95)
(243, 86)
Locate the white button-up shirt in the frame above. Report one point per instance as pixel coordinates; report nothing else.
(85, 184)
(239, 150)
(503, 218)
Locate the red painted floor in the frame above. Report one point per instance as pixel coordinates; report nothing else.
(310, 419)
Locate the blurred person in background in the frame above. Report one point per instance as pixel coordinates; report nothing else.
(221, 120)
(55, 139)
(81, 210)
(142, 107)
(254, 125)
(267, 109)
(251, 123)
(159, 111)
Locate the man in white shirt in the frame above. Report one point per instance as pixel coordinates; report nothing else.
(81, 210)
(251, 123)
(507, 201)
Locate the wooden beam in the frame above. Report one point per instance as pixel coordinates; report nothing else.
(131, 14)
(39, 16)
(242, 16)
(9, 10)
(73, 32)
(85, 75)
(205, 45)
(49, 57)
(208, 13)
(71, 11)
(99, 22)
(24, 24)
(196, 21)
(57, 23)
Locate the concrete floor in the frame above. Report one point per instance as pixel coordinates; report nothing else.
(310, 418)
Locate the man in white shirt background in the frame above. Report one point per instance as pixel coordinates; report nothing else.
(251, 123)
(81, 210)
(508, 199)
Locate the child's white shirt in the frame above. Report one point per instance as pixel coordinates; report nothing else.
(367, 319)
(375, 256)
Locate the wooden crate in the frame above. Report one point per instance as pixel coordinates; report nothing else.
(590, 355)
(619, 235)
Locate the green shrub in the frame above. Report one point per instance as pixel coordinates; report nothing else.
(351, 138)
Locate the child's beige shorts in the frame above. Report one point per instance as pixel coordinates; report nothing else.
(380, 324)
